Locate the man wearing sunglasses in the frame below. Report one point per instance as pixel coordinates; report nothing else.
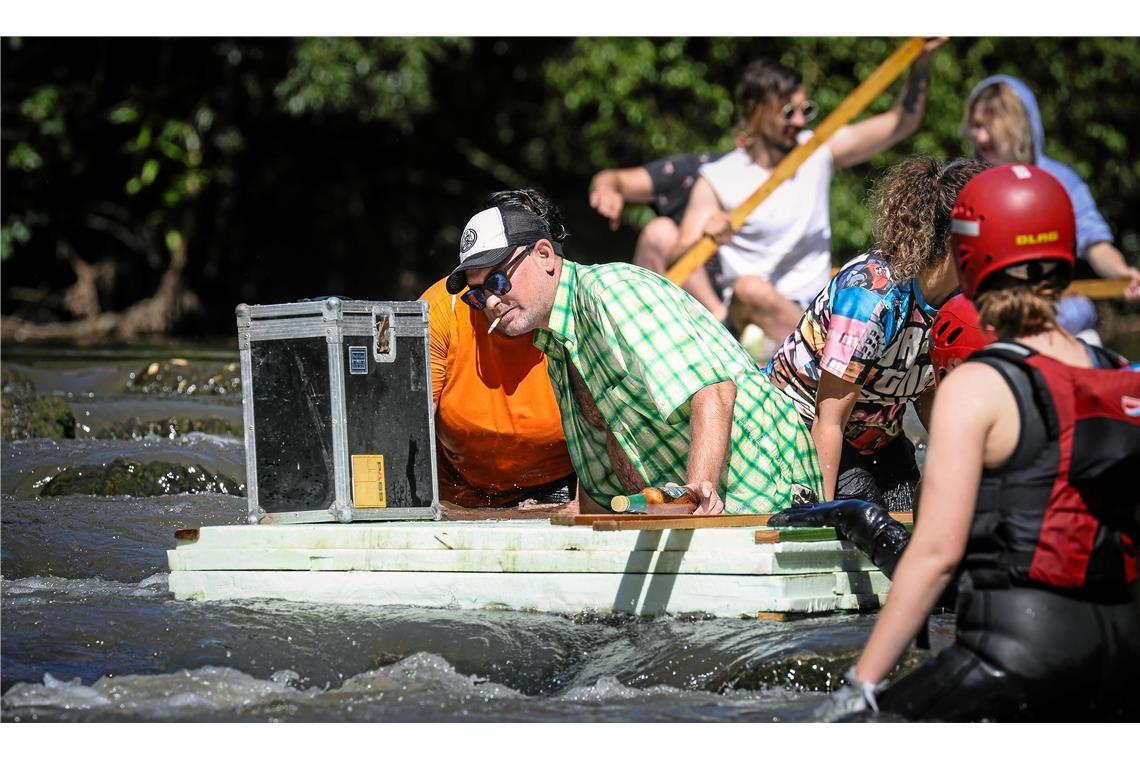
(781, 257)
(651, 388)
(499, 438)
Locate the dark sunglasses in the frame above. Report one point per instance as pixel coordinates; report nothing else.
(807, 109)
(497, 283)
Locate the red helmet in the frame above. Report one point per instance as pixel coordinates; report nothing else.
(955, 335)
(1009, 215)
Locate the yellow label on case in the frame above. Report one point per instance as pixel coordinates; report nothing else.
(368, 488)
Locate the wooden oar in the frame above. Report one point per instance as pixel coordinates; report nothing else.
(859, 99)
(1098, 290)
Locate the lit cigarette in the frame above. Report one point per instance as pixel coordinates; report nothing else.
(494, 324)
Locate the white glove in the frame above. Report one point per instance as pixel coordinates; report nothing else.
(855, 697)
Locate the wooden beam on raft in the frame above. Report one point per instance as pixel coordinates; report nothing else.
(686, 522)
(852, 106)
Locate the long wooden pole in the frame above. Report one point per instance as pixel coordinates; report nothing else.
(859, 99)
(1097, 289)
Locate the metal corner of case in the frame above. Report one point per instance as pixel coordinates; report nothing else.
(342, 512)
(243, 311)
(332, 308)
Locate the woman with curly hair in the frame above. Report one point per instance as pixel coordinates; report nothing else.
(860, 352)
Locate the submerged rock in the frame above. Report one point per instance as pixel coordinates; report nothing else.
(127, 477)
(169, 427)
(14, 382)
(36, 417)
(180, 377)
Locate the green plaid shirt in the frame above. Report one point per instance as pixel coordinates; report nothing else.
(643, 347)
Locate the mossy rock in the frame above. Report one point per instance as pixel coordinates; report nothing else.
(14, 382)
(127, 477)
(169, 427)
(183, 378)
(36, 417)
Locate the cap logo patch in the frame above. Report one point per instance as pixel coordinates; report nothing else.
(1040, 237)
(468, 240)
(1021, 172)
(1131, 405)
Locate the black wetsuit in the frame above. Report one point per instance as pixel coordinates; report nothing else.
(1047, 627)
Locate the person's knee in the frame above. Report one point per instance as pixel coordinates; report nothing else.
(656, 243)
(755, 293)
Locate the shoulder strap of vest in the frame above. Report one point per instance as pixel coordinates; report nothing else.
(1034, 407)
(1103, 358)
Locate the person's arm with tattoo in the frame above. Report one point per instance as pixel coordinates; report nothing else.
(856, 143)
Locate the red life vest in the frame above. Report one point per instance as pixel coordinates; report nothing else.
(1064, 512)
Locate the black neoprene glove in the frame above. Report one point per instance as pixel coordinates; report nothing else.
(863, 523)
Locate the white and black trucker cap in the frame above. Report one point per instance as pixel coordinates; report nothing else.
(491, 235)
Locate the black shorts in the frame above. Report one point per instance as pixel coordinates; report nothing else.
(888, 477)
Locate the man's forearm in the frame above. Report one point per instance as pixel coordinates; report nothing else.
(711, 427)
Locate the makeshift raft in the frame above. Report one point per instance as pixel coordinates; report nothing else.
(720, 566)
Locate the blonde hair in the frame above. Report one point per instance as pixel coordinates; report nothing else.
(912, 204)
(1004, 116)
(1019, 312)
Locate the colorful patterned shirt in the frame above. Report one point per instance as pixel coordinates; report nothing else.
(867, 329)
(643, 347)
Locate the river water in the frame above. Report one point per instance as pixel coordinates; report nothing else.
(90, 632)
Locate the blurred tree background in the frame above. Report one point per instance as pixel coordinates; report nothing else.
(149, 185)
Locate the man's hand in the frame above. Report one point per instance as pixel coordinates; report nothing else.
(711, 503)
(719, 227)
(609, 203)
(932, 44)
(1132, 289)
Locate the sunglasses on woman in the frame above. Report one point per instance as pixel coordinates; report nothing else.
(497, 283)
(807, 110)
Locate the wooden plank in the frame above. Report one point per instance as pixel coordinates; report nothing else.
(799, 535)
(785, 535)
(691, 522)
(648, 520)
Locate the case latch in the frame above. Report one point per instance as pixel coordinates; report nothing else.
(383, 334)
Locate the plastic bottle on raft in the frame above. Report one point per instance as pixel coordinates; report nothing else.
(677, 500)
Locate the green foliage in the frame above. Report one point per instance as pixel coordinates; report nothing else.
(385, 79)
(616, 94)
(289, 168)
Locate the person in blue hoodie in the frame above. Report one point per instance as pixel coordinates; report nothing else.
(1003, 123)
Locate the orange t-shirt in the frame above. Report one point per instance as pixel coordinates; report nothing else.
(497, 426)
